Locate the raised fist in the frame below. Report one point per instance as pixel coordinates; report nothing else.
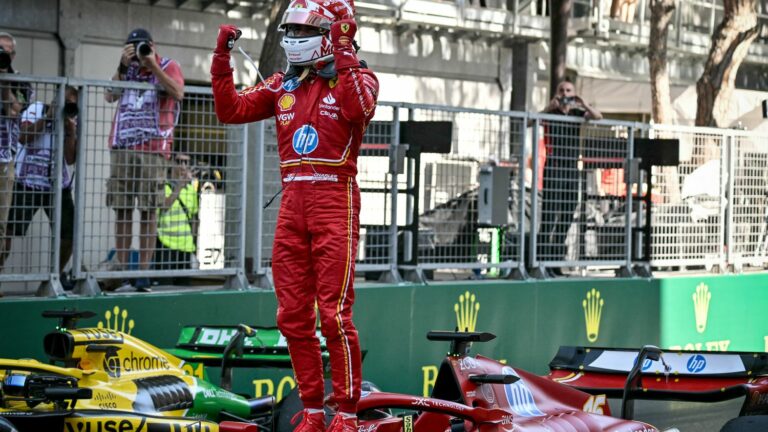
(342, 9)
(228, 34)
(343, 33)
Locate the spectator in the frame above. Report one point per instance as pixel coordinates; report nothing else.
(34, 179)
(560, 174)
(141, 140)
(13, 100)
(322, 106)
(177, 221)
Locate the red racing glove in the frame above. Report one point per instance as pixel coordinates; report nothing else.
(228, 34)
(342, 34)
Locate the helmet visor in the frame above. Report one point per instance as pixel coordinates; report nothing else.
(306, 17)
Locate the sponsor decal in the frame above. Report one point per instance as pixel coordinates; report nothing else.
(721, 345)
(593, 309)
(468, 364)
(329, 103)
(116, 320)
(333, 81)
(266, 387)
(701, 299)
(142, 424)
(345, 28)
(679, 363)
(286, 101)
(519, 396)
(437, 403)
(305, 140)
(647, 363)
(369, 428)
(696, 363)
(101, 335)
(111, 364)
(408, 424)
(471, 394)
(330, 100)
(291, 85)
(595, 404)
(466, 312)
(105, 400)
(429, 377)
(115, 365)
(285, 118)
(331, 115)
(488, 393)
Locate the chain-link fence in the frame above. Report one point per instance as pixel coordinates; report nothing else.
(690, 200)
(36, 208)
(166, 207)
(78, 196)
(132, 185)
(585, 214)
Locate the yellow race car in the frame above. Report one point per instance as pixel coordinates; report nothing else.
(110, 381)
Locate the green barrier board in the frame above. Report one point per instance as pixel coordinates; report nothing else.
(531, 319)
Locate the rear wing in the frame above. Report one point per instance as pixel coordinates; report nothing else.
(693, 376)
(260, 346)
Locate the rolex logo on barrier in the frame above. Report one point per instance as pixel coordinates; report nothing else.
(466, 312)
(593, 309)
(116, 320)
(701, 299)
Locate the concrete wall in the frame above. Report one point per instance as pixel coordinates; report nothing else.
(86, 39)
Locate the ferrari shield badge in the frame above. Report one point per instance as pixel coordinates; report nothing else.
(344, 27)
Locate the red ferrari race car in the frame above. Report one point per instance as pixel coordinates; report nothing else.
(479, 394)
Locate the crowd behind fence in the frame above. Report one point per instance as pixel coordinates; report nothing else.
(573, 199)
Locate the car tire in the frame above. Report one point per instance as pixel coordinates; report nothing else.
(746, 424)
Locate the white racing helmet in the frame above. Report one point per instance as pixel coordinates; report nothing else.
(321, 14)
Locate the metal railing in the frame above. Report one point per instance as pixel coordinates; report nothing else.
(571, 201)
(204, 161)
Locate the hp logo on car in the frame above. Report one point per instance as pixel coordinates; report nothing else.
(647, 363)
(696, 363)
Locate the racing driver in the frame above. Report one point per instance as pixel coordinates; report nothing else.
(321, 105)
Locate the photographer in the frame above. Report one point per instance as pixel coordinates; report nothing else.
(13, 100)
(560, 186)
(33, 188)
(141, 141)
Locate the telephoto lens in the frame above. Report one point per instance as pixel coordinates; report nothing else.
(71, 110)
(5, 59)
(143, 48)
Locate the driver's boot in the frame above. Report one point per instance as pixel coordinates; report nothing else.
(343, 423)
(312, 421)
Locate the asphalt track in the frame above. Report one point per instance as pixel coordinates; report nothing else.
(686, 416)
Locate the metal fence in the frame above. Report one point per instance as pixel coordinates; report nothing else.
(571, 200)
(195, 175)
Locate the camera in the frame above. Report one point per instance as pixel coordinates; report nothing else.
(143, 48)
(70, 110)
(5, 59)
(567, 100)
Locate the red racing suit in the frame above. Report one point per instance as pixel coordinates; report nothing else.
(320, 125)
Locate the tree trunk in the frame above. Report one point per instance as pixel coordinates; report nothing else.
(729, 47)
(561, 12)
(661, 103)
(272, 58)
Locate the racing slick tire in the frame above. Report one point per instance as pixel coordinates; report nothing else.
(746, 424)
(291, 404)
(6, 426)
